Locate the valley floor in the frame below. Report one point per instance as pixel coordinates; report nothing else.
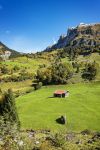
(39, 109)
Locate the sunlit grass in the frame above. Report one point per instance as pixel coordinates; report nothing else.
(82, 108)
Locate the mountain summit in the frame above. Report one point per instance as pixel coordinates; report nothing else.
(84, 36)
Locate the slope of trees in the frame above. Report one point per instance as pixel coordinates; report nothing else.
(57, 73)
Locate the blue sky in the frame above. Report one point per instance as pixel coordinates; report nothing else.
(32, 25)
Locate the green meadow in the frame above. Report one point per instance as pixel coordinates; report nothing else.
(39, 110)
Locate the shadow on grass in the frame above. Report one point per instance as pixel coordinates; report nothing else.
(51, 97)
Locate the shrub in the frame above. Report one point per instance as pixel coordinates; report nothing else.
(89, 71)
(4, 69)
(38, 86)
(16, 68)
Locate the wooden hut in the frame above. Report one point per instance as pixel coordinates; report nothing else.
(61, 93)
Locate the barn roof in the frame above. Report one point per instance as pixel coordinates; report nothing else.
(60, 92)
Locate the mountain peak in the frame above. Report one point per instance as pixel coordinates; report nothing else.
(82, 35)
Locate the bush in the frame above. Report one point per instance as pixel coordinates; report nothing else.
(38, 86)
(16, 68)
(4, 69)
(89, 71)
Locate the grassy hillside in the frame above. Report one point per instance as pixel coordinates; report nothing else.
(31, 65)
(38, 110)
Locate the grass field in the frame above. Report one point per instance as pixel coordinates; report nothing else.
(38, 110)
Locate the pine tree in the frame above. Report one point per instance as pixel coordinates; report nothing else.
(8, 108)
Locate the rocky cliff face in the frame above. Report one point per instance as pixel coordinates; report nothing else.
(84, 35)
(4, 48)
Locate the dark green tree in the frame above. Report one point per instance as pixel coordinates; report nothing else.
(90, 71)
(8, 108)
